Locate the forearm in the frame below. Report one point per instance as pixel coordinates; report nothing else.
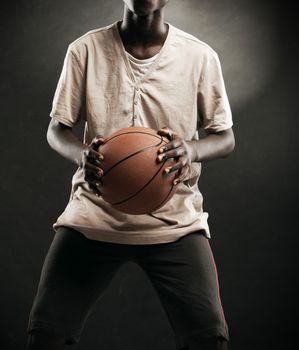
(66, 143)
(213, 146)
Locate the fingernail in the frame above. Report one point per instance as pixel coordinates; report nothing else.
(160, 157)
(175, 182)
(100, 172)
(167, 170)
(161, 149)
(101, 157)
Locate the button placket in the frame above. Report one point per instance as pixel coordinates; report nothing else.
(135, 103)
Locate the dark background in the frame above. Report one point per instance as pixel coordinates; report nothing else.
(251, 196)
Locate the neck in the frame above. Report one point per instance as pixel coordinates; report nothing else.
(143, 30)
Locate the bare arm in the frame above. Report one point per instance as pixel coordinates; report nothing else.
(213, 146)
(62, 139)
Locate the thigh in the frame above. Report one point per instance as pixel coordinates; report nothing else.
(75, 273)
(185, 278)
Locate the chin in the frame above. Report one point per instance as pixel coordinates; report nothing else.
(144, 7)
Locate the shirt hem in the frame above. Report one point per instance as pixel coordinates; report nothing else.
(136, 237)
(62, 120)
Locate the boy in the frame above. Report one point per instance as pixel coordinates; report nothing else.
(138, 71)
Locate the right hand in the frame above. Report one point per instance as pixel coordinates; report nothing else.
(90, 162)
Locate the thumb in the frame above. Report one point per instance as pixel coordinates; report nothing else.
(97, 141)
(166, 131)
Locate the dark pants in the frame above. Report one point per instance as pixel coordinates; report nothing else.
(77, 270)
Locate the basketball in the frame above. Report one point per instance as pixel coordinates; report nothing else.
(134, 181)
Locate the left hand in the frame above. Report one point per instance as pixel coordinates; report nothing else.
(177, 148)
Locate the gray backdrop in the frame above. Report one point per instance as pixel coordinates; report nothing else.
(251, 196)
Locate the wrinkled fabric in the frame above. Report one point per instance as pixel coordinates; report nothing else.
(139, 67)
(182, 89)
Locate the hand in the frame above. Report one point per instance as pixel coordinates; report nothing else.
(91, 161)
(178, 149)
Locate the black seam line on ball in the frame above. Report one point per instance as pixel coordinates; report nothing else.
(131, 155)
(131, 132)
(164, 200)
(134, 194)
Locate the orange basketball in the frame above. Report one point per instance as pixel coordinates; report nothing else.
(133, 181)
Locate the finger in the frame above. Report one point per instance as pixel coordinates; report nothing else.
(93, 168)
(92, 177)
(182, 162)
(183, 173)
(97, 141)
(95, 162)
(172, 144)
(91, 153)
(99, 185)
(174, 153)
(96, 182)
(96, 154)
(95, 189)
(89, 167)
(170, 169)
(166, 131)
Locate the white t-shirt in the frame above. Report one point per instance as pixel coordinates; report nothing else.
(140, 66)
(182, 88)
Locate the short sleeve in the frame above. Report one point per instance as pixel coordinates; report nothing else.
(68, 105)
(214, 112)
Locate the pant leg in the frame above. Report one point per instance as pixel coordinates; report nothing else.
(185, 278)
(75, 274)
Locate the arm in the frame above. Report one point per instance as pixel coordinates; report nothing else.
(62, 139)
(213, 146)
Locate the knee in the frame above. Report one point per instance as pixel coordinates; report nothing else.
(39, 339)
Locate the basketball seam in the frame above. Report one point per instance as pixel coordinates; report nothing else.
(164, 200)
(133, 195)
(131, 155)
(131, 132)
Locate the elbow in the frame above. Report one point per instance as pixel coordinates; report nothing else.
(230, 144)
(49, 135)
